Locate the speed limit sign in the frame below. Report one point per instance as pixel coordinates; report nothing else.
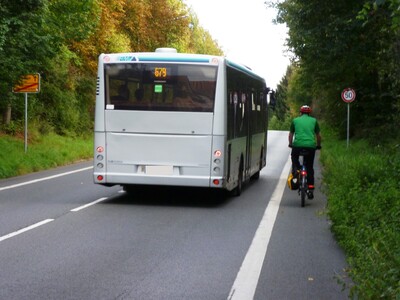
(348, 95)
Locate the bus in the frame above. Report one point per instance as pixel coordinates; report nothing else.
(176, 119)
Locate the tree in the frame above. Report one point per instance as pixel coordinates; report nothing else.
(200, 40)
(21, 48)
(333, 46)
(62, 39)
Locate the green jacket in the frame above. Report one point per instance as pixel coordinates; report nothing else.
(304, 128)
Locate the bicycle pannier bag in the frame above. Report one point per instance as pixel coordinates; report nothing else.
(292, 182)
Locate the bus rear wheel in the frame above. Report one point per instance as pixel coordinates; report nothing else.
(256, 175)
(238, 189)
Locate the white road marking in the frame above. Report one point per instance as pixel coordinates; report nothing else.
(15, 233)
(89, 204)
(43, 179)
(247, 278)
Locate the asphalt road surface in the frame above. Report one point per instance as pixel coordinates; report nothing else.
(62, 237)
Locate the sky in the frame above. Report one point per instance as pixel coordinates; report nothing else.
(245, 32)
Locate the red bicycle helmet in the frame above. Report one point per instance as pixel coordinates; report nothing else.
(305, 109)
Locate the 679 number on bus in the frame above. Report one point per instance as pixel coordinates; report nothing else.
(160, 72)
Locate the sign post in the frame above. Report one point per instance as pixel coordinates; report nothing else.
(27, 84)
(348, 96)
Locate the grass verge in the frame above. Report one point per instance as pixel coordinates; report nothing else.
(364, 205)
(46, 152)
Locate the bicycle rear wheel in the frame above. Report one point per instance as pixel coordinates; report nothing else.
(303, 190)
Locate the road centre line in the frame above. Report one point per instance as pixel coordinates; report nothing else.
(247, 278)
(43, 179)
(15, 233)
(89, 204)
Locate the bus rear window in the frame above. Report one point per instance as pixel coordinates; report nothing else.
(160, 87)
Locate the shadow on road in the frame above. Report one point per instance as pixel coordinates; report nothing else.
(171, 196)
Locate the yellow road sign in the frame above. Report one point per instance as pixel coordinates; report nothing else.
(28, 84)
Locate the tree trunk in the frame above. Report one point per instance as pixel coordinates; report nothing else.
(7, 115)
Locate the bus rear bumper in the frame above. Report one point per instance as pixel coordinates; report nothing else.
(195, 181)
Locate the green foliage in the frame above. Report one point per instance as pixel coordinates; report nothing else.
(47, 151)
(61, 40)
(346, 43)
(351, 43)
(198, 39)
(279, 117)
(364, 206)
(23, 43)
(72, 20)
(277, 124)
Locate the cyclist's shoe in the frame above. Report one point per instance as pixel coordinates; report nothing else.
(310, 194)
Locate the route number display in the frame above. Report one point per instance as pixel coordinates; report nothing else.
(160, 72)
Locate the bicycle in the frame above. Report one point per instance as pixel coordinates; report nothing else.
(303, 186)
(303, 189)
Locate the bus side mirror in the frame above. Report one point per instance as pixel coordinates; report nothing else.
(272, 99)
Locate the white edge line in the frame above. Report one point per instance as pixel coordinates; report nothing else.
(89, 204)
(43, 179)
(247, 278)
(15, 233)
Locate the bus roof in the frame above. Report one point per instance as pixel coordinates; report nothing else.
(170, 56)
(244, 69)
(158, 56)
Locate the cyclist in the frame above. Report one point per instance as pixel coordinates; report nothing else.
(306, 132)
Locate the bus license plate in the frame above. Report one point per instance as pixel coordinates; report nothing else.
(159, 170)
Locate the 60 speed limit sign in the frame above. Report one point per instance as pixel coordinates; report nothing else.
(348, 95)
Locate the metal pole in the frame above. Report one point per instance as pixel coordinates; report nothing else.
(348, 124)
(26, 122)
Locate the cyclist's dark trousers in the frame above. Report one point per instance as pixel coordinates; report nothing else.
(308, 162)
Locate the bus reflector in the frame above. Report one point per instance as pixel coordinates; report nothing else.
(100, 177)
(216, 181)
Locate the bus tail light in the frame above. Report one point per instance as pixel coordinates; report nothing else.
(100, 149)
(217, 153)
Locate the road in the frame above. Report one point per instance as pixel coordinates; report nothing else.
(62, 237)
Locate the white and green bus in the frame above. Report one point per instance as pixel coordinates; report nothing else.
(167, 118)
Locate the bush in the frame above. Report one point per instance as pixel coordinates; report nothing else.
(364, 206)
(276, 124)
